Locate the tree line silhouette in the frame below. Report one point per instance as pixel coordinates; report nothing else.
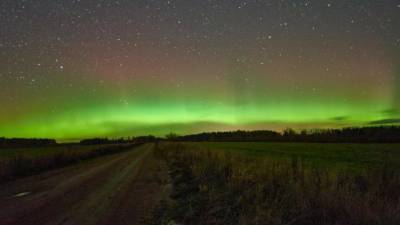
(42, 142)
(383, 134)
(100, 141)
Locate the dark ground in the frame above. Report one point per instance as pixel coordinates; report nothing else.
(116, 189)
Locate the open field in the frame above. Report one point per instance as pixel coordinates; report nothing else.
(212, 184)
(321, 154)
(18, 162)
(36, 152)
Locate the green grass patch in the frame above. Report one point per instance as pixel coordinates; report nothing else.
(320, 154)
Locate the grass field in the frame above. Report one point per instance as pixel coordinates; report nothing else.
(18, 162)
(321, 154)
(37, 152)
(279, 184)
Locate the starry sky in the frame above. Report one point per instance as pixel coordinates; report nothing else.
(86, 68)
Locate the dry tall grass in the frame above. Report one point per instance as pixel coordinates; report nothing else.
(215, 187)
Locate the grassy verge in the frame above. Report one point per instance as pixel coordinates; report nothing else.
(219, 187)
(38, 152)
(19, 165)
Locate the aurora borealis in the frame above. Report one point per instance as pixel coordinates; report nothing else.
(85, 68)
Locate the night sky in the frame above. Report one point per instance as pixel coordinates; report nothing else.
(85, 68)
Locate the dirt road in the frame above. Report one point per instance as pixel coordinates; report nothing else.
(116, 189)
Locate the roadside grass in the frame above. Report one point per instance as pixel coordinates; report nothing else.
(16, 163)
(220, 187)
(36, 152)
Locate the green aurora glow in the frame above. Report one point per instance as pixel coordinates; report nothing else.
(120, 73)
(135, 118)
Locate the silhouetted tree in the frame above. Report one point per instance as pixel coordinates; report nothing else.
(171, 136)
